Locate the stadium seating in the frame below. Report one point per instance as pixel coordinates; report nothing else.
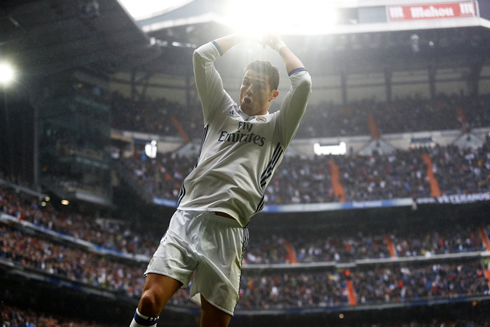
(402, 174)
(438, 274)
(321, 120)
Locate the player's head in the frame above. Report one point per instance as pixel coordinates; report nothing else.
(259, 87)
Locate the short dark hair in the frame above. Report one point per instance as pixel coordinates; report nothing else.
(267, 68)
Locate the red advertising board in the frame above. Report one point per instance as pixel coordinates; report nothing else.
(461, 9)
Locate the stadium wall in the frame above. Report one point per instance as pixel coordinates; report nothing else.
(484, 8)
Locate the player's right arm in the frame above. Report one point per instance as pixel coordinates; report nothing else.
(208, 81)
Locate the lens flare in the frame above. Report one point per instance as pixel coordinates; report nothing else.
(6, 73)
(254, 17)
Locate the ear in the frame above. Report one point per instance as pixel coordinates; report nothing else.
(274, 94)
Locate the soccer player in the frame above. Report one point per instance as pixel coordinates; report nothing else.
(241, 147)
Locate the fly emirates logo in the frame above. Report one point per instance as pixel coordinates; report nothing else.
(244, 134)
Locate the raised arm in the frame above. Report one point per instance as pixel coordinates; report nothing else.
(227, 42)
(294, 104)
(290, 60)
(208, 81)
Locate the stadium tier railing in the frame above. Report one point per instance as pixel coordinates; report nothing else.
(455, 199)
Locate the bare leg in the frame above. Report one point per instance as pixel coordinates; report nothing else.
(212, 316)
(156, 293)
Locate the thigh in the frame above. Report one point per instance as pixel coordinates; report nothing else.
(212, 316)
(160, 289)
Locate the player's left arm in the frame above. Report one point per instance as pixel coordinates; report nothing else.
(294, 104)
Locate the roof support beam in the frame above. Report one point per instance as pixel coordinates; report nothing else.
(388, 85)
(476, 65)
(432, 70)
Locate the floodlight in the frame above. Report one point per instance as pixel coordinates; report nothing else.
(6, 73)
(151, 149)
(335, 149)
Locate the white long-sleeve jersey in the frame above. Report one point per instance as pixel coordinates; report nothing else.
(239, 153)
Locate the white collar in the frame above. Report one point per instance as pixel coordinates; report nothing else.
(247, 117)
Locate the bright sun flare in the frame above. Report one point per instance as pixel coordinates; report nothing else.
(280, 16)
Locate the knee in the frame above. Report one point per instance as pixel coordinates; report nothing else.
(150, 303)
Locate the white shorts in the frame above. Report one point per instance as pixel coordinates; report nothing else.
(210, 245)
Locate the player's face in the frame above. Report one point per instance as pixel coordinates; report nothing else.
(255, 93)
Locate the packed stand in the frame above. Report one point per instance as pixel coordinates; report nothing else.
(402, 174)
(74, 264)
(300, 180)
(154, 116)
(420, 282)
(315, 246)
(305, 246)
(462, 171)
(16, 317)
(267, 249)
(292, 290)
(378, 177)
(473, 321)
(457, 239)
(284, 290)
(410, 114)
(161, 177)
(111, 236)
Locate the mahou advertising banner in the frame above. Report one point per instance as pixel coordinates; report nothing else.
(462, 9)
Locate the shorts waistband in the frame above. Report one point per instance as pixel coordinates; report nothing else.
(230, 221)
(211, 215)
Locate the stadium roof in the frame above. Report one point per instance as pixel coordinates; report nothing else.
(141, 9)
(50, 36)
(358, 44)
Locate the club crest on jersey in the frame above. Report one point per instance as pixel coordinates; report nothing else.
(261, 119)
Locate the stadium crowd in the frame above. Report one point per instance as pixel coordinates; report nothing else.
(457, 239)
(303, 246)
(15, 317)
(154, 116)
(109, 235)
(372, 286)
(266, 291)
(77, 265)
(411, 114)
(343, 247)
(274, 290)
(402, 174)
(462, 171)
(292, 290)
(421, 282)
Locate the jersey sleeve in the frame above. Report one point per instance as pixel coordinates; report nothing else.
(208, 81)
(294, 104)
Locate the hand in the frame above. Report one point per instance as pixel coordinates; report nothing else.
(274, 41)
(255, 38)
(269, 39)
